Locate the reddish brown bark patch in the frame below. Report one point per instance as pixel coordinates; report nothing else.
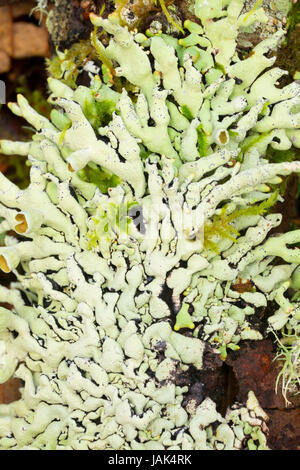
(255, 369)
(9, 391)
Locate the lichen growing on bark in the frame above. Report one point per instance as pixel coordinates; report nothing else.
(117, 292)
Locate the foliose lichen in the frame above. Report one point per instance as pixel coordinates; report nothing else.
(117, 292)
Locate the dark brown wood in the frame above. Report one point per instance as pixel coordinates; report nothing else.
(9, 2)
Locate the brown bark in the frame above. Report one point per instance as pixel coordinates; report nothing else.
(9, 391)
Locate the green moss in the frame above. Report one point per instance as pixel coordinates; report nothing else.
(99, 113)
(250, 142)
(187, 112)
(220, 225)
(66, 66)
(141, 10)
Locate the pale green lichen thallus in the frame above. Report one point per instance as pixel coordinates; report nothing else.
(182, 142)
